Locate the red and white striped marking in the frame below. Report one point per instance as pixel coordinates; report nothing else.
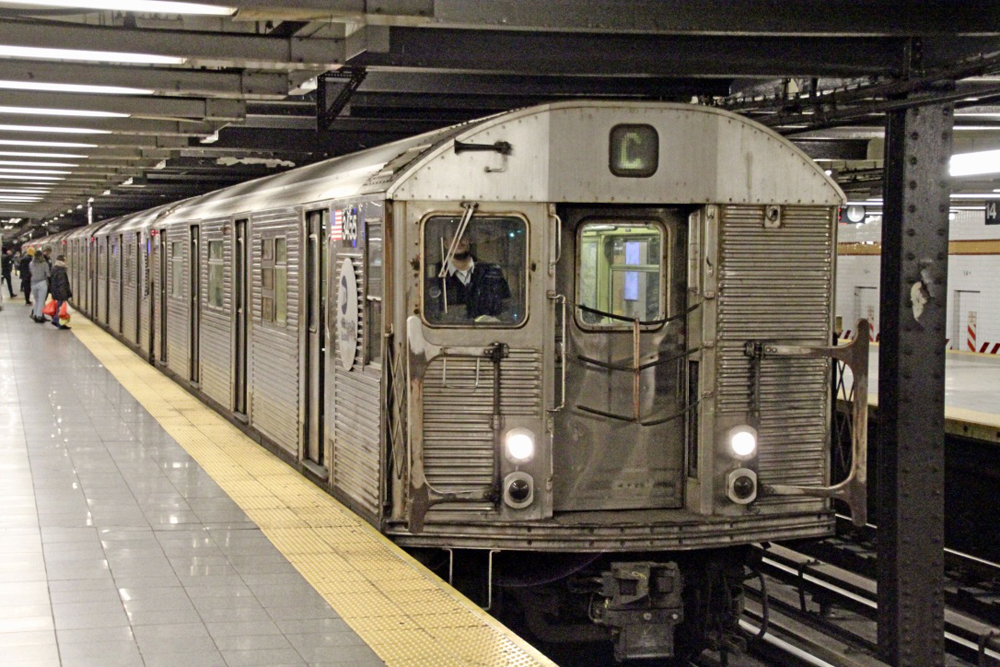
(337, 230)
(970, 341)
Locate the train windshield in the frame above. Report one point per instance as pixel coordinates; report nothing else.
(476, 277)
(621, 273)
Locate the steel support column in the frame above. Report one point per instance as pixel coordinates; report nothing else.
(911, 386)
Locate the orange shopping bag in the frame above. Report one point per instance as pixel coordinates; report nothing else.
(50, 308)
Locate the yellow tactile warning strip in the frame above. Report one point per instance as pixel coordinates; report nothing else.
(401, 609)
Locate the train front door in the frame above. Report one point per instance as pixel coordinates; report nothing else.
(315, 298)
(194, 336)
(240, 315)
(620, 432)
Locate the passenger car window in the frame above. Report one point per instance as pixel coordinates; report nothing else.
(215, 273)
(621, 273)
(177, 269)
(478, 277)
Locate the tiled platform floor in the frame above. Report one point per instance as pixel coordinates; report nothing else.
(116, 548)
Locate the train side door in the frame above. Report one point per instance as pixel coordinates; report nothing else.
(195, 319)
(241, 317)
(161, 269)
(315, 298)
(120, 271)
(621, 429)
(137, 280)
(106, 274)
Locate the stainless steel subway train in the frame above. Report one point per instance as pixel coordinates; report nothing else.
(579, 352)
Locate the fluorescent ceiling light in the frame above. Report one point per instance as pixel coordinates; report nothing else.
(35, 111)
(5, 170)
(35, 53)
(20, 200)
(74, 88)
(976, 196)
(47, 155)
(151, 6)
(26, 163)
(15, 177)
(45, 144)
(53, 130)
(40, 191)
(969, 164)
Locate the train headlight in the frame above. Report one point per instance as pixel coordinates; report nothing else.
(743, 441)
(519, 445)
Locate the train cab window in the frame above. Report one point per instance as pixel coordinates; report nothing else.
(476, 276)
(621, 273)
(177, 269)
(215, 272)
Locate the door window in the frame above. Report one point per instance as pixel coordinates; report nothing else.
(215, 272)
(622, 269)
(476, 276)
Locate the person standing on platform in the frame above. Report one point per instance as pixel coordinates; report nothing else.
(24, 270)
(59, 286)
(40, 273)
(6, 266)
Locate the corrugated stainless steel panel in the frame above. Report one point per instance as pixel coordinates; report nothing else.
(216, 323)
(357, 420)
(178, 311)
(459, 441)
(274, 348)
(776, 284)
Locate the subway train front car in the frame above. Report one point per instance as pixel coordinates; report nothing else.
(576, 355)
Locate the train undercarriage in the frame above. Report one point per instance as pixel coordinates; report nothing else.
(656, 605)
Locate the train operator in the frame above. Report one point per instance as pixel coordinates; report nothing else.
(467, 290)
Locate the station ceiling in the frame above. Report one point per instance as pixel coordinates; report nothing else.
(113, 106)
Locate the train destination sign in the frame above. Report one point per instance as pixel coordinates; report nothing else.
(635, 150)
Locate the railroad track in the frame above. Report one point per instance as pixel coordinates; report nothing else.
(837, 601)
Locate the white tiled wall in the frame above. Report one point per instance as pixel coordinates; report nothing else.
(973, 281)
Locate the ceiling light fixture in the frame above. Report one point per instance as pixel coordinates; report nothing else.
(28, 163)
(45, 155)
(151, 6)
(41, 191)
(73, 88)
(16, 177)
(36, 111)
(36, 53)
(52, 130)
(20, 200)
(45, 144)
(8, 170)
(970, 164)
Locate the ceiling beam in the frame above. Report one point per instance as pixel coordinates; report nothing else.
(710, 17)
(144, 107)
(436, 83)
(137, 126)
(197, 48)
(171, 82)
(536, 53)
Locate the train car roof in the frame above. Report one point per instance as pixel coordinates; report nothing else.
(561, 153)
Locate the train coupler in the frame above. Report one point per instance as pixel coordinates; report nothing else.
(642, 604)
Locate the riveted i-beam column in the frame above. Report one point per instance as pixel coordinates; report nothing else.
(911, 386)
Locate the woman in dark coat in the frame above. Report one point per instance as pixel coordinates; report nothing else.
(24, 269)
(59, 288)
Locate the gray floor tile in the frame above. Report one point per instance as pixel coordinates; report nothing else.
(36, 655)
(187, 659)
(224, 629)
(340, 655)
(113, 652)
(251, 642)
(274, 656)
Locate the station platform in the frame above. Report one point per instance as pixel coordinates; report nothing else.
(972, 393)
(141, 528)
